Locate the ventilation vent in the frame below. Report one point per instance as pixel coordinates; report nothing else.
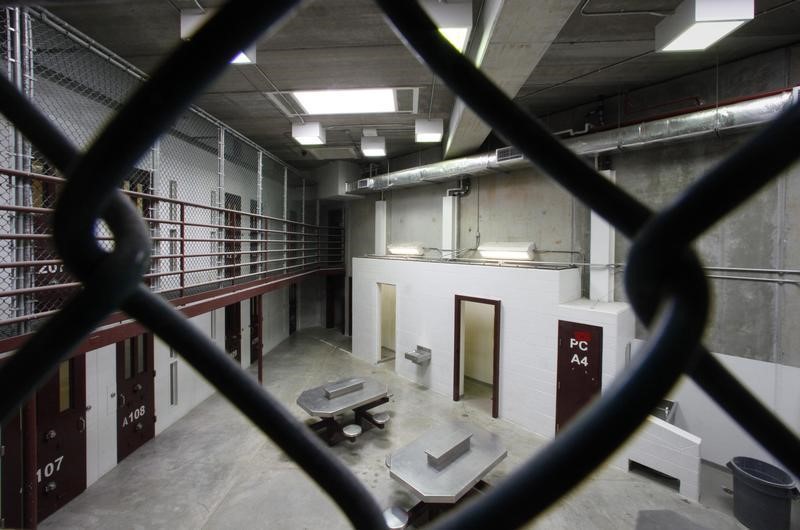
(406, 99)
(333, 153)
(504, 154)
(364, 183)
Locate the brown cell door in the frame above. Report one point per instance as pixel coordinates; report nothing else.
(233, 331)
(580, 362)
(12, 473)
(292, 308)
(135, 394)
(256, 340)
(61, 430)
(233, 235)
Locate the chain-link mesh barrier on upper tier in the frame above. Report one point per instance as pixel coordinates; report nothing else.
(672, 299)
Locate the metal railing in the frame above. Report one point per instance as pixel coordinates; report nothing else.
(672, 299)
(185, 261)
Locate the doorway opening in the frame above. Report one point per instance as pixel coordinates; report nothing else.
(387, 322)
(476, 359)
(334, 302)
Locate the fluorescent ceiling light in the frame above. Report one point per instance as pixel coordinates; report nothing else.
(373, 146)
(309, 133)
(247, 56)
(405, 249)
(453, 18)
(353, 101)
(456, 36)
(428, 131)
(192, 19)
(697, 24)
(507, 250)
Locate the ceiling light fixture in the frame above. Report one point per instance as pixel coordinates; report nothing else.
(247, 56)
(428, 131)
(373, 146)
(192, 19)
(352, 101)
(405, 249)
(507, 250)
(454, 20)
(697, 24)
(309, 133)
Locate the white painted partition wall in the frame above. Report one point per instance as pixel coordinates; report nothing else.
(532, 302)
(101, 400)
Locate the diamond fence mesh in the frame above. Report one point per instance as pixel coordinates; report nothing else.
(664, 279)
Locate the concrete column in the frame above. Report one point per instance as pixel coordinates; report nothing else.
(380, 228)
(449, 224)
(601, 277)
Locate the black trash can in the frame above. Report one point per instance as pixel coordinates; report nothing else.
(762, 494)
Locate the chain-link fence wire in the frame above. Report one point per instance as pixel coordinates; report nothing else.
(241, 194)
(670, 298)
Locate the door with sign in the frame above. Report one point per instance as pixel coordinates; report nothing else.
(580, 362)
(61, 428)
(135, 394)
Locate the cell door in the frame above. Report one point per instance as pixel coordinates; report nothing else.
(292, 308)
(11, 502)
(135, 394)
(233, 235)
(255, 329)
(61, 433)
(233, 331)
(580, 361)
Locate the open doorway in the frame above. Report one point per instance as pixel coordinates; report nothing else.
(387, 322)
(476, 360)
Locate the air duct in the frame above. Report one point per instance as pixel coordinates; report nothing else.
(736, 116)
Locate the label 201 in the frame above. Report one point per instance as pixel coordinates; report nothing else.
(133, 415)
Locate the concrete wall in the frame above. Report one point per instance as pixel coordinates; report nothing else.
(532, 302)
(477, 325)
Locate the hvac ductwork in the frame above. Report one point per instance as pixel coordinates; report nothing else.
(735, 116)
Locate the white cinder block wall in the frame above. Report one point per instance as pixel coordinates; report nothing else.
(532, 302)
(192, 387)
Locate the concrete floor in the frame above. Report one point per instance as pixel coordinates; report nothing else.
(212, 469)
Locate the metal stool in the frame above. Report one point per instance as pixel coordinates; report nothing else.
(352, 431)
(395, 517)
(381, 418)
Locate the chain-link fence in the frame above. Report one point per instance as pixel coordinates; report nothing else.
(200, 186)
(664, 279)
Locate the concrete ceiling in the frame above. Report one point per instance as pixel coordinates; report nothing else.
(550, 55)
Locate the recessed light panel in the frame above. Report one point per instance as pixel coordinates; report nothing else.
(352, 101)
